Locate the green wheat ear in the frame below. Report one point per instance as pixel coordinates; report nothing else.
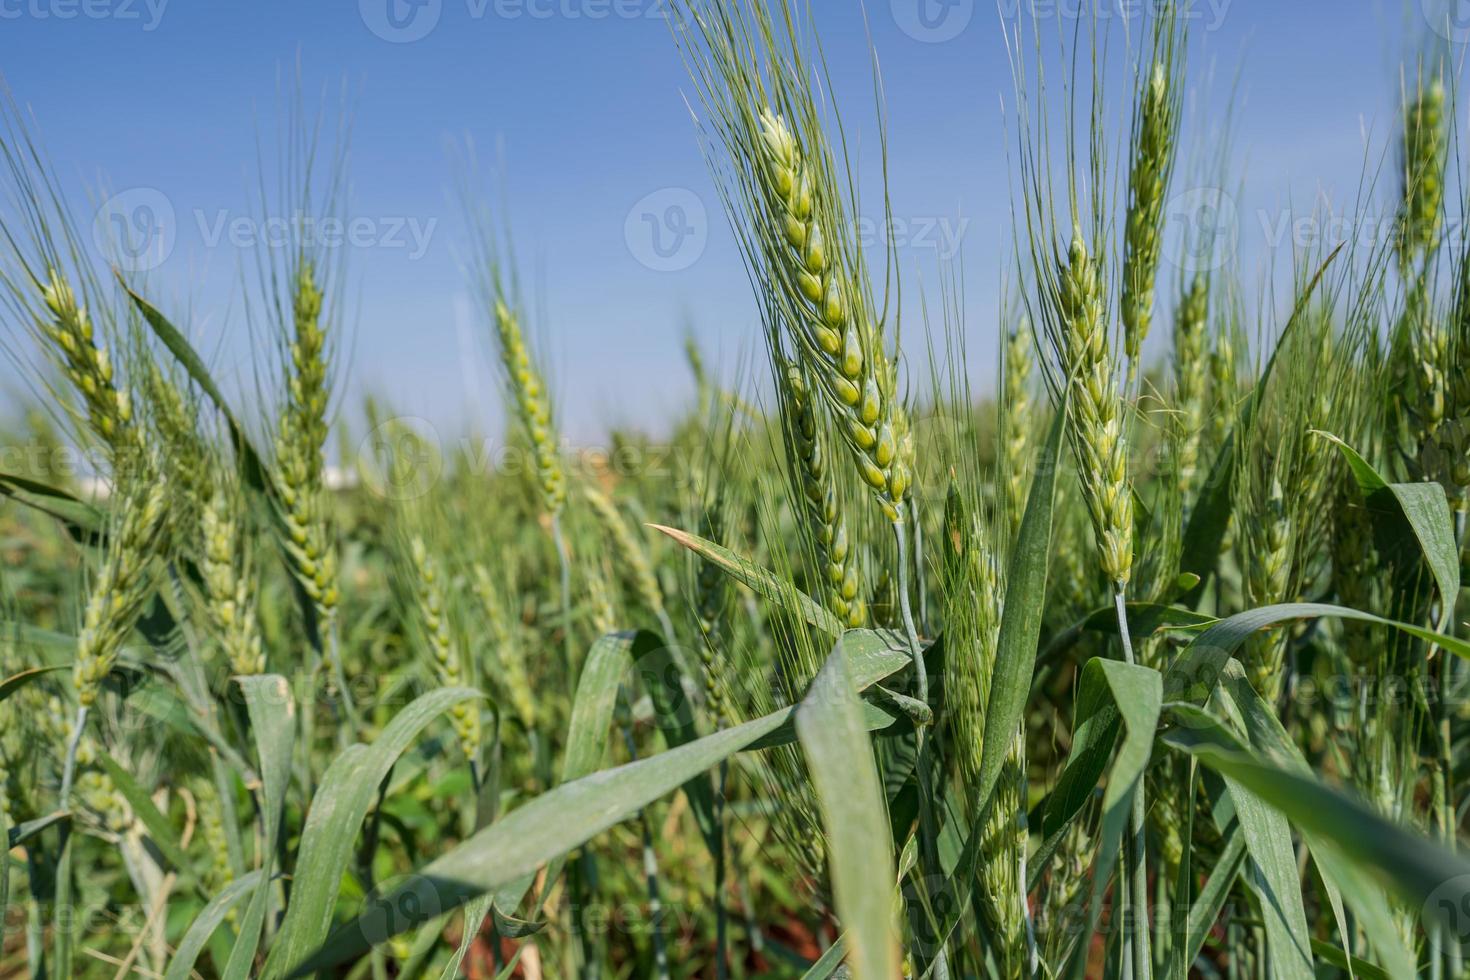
(1155, 148)
(1017, 422)
(533, 407)
(837, 340)
(1096, 412)
(507, 652)
(972, 588)
(300, 445)
(817, 495)
(431, 601)
(1424, 152)
(1191, 370)
(226, 570)
(88, 366)
(124, 583)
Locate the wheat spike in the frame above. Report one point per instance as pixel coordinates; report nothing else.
(532, 406)
(123, 583)
(230, 586)
(1190, 375)
(1155, 147)
(430, 595)
(507, 652)
(632, 555)
(300, 445)
(1017, 422)
(1096, 421)
(816, 493)
(831, 325)
(89, 367)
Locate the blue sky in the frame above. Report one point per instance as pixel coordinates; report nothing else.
(167, 98)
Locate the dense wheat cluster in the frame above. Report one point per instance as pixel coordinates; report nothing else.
(1149, 662)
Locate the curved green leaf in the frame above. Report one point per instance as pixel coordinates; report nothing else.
(84, 522)
(252, 468)
(272, 715)
(160, 831)
(1020, 623)
(1192, 675)
(540, 831)
(1137, 694)
(15, 682)
(840, 760)
(1425, 875)
(341, 803)
(1426, 510)
(765, 583)
(181, 966)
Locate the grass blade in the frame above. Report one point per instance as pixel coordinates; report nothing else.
(341, 803)
(765, 583)
(272, 715)
(202, 929)
(840, 759)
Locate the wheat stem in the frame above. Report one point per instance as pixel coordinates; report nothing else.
(69, 769)
(1137, 849)
(564, 557)
(928, 828)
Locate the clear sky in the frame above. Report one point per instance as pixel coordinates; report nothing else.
(617, 220)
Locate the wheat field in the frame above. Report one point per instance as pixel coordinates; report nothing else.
(1107, 664)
